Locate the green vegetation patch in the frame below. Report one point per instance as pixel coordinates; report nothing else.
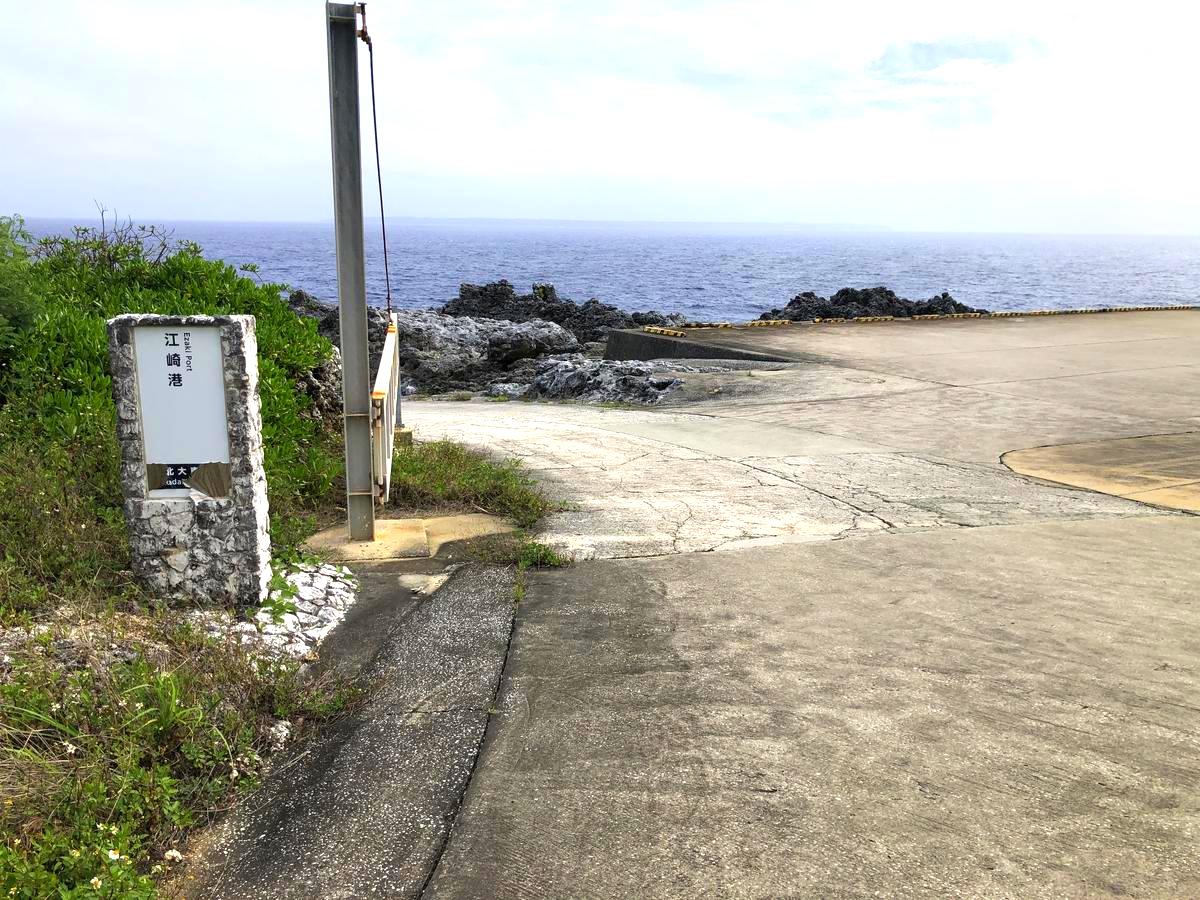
(54, 376)
(108, 759)
(442, 473)
(120, 725)
(516, 549)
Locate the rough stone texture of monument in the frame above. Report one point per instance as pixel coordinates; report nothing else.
(197, 548)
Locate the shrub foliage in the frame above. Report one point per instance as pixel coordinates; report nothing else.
(120, 726)
(56, 387)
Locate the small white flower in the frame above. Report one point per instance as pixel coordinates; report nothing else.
(233, 774)
(114, 855)
(55, 707)
(96, 882)
(173, 855)
(71, 748)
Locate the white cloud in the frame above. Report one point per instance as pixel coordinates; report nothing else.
(1063, 116)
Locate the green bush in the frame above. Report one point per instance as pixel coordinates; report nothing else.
(107, 765)
(119, 729)
(18, 302)
(56, 388)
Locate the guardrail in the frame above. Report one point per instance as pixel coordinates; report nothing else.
(385, 398)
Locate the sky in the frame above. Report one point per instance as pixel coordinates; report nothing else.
(1049, 116)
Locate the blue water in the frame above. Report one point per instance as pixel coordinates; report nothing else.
(716, 271)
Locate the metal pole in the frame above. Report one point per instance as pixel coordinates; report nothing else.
(352, 292)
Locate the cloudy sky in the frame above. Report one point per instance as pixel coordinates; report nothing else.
(1040, 116)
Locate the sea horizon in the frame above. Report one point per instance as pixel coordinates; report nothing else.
(822, 227)
(706, 270)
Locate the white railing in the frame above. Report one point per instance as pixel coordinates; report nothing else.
(384, 399)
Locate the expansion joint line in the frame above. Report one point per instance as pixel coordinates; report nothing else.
(487, 728)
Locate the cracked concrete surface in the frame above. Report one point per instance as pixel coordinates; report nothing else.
(630, 494)
(908, 671)
(652, 483)
(906, 490)
(896, 427)
(945, 680)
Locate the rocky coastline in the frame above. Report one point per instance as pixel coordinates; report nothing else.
(494, 340)
(589, 322)
(850, 303)
(491, 339)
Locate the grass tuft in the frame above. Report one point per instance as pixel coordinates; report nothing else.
(442, 473)
(107, 761)
(534, 555)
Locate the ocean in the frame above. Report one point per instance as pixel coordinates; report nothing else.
(709, 272)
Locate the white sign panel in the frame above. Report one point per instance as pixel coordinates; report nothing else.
(181, 392)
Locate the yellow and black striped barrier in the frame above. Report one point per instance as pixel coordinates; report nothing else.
(1004, 314)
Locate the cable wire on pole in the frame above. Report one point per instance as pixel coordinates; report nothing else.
(387, 277)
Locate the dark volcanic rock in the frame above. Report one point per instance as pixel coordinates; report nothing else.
(598, 381)
(437, 352)
(511, 342)
(329, 325)
(323, 387)
(590, 321)
(851, 302)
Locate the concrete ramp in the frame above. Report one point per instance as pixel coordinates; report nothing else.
(1163, 469)
(952, 349)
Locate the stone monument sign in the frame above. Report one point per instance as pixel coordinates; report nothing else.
(188, 423)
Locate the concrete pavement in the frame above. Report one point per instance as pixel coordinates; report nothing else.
(1163, 469)
(907, 671)
(365, 809)
(994, 712)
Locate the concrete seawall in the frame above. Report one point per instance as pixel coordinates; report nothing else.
(645, 345)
